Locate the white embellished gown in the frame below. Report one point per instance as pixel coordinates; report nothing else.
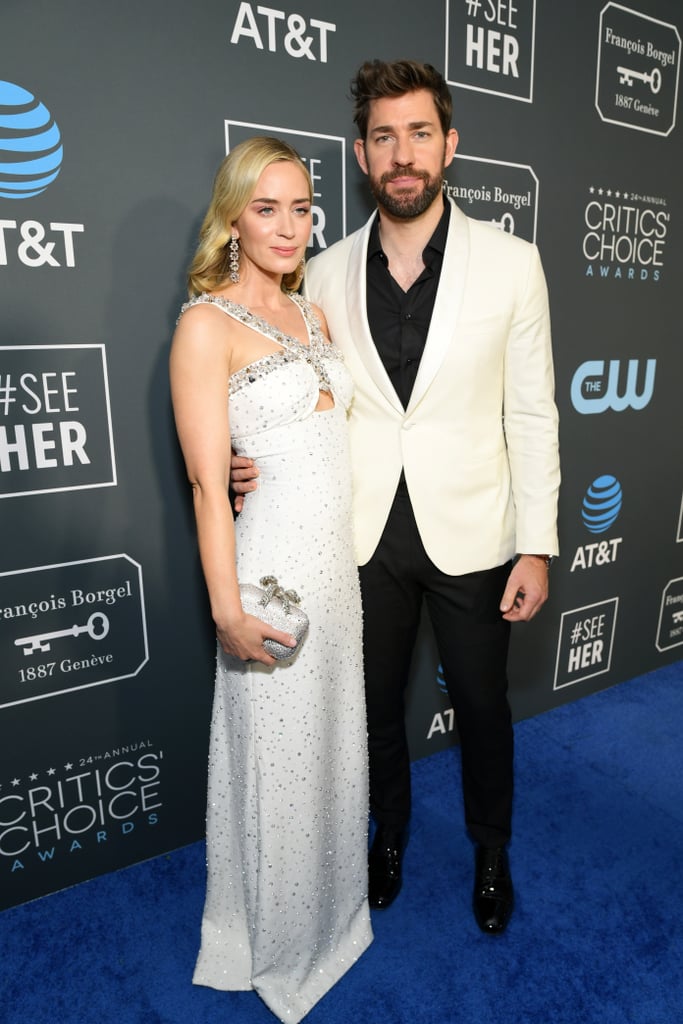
(286, 910)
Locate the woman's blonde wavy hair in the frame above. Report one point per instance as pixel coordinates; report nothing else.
(233, 187)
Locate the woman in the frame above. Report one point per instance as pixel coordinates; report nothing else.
(286, 911)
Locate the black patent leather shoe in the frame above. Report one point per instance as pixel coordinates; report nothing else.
(493, 897)
(385, 866)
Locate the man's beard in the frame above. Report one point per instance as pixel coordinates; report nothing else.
(409, 203)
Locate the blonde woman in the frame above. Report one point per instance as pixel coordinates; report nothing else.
(251, 369)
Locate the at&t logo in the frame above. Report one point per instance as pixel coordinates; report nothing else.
(443, 721)
(600, 509)
(602, 504)
(30, 144)
(595, 389)
(30, 160)
(290, 30)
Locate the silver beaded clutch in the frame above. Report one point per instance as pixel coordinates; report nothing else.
(279, 608)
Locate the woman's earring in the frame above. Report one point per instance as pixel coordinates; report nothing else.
(234, 259)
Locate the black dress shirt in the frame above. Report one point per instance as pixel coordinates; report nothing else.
(398, 320)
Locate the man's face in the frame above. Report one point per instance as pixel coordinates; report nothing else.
(405, 153)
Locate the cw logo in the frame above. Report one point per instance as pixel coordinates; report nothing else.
(593, 391)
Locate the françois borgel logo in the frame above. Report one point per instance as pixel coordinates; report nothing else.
(624, 235)
(599, 511)
(585, 643)
(670, 626)
(325, 158)
(637, 71)
(66, 627)
(490, 46)
(503, 193)
(55, 421)
(31, 155)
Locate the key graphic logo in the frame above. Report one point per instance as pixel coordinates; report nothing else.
(69, 626)
(670, 625)
(503, 193)
(637, 70)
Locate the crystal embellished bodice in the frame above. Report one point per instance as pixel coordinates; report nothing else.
(319, 353)
(282, 388)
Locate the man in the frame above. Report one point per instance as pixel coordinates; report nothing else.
(444, 325)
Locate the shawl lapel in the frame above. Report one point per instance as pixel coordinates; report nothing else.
(443, 326)
(444, 317)
(356, 301)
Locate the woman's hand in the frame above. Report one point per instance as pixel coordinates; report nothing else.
(244, 638)
(243, 474)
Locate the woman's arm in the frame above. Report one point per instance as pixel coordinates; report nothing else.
(200, 371)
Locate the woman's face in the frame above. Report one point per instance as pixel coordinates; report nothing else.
(275, 226)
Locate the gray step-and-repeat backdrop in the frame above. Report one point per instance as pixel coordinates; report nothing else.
(113, 119)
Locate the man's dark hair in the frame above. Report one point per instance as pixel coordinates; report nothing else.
(379, 79)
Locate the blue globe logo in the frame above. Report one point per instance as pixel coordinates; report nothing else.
(30, 144)
(602, 504)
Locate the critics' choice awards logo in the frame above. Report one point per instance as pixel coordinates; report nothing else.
(585, 644)
(30, 160)
(86, 803)
(504, 194)
(490, 46)
(637, 71)
(670, 626)
(624, 235)
(55, 420)
(599, 511)
(267, 28)
(325, 158)
(599, 386)
(66, 627)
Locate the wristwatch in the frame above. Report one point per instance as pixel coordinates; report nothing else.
(548, 559)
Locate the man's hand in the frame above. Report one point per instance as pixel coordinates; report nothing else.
(527, 589)
(243, 474)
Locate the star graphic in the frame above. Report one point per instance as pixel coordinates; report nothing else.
(51, 771)
(33, 776)
(68, 767)
(15, 782)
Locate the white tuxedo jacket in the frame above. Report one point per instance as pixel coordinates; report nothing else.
(478, 441)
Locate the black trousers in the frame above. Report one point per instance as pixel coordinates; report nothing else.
(472, 640)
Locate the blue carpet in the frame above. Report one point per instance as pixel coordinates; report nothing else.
(595, 939)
